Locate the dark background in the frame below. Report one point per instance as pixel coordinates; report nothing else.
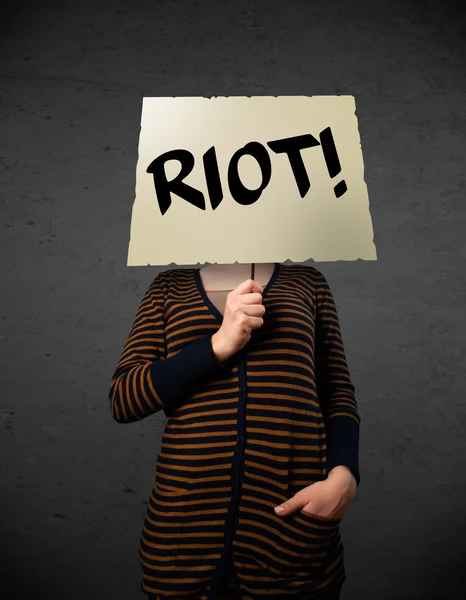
(74, 483)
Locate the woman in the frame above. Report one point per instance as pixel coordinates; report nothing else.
(254, 422)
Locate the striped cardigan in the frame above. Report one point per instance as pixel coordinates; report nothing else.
(240, 438)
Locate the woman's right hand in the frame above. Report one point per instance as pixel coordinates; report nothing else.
(243, 313)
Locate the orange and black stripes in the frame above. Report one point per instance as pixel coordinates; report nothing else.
(240, 438)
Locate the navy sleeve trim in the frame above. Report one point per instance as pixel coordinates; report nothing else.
(176, 377)
(343, 444)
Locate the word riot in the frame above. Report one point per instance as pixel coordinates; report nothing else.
(291, 146)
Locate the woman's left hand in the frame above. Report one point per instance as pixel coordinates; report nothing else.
(328, 499)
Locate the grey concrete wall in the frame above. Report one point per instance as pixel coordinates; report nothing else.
(74, 483)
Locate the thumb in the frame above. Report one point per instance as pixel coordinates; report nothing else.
(290, 506)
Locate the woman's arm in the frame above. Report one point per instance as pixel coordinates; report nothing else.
(334, 387)
(145, 381)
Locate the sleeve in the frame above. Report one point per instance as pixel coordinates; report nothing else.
(145, 380)
(335, 390)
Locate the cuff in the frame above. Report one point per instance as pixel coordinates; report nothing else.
(176, 377)
(343, 444)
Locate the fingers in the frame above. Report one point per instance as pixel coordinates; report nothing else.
(248, 285)
(252, 298)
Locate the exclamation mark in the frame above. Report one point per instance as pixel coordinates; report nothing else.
(331, 158)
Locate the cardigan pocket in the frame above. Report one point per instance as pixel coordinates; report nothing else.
(201, 533)
(162, 527)
(321, 520)
(308, 544)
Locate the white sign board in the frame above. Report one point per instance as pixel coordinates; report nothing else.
(259, 179)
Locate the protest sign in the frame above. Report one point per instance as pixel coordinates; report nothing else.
(250, 179)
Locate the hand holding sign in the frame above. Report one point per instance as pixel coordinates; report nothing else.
(243, 313)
